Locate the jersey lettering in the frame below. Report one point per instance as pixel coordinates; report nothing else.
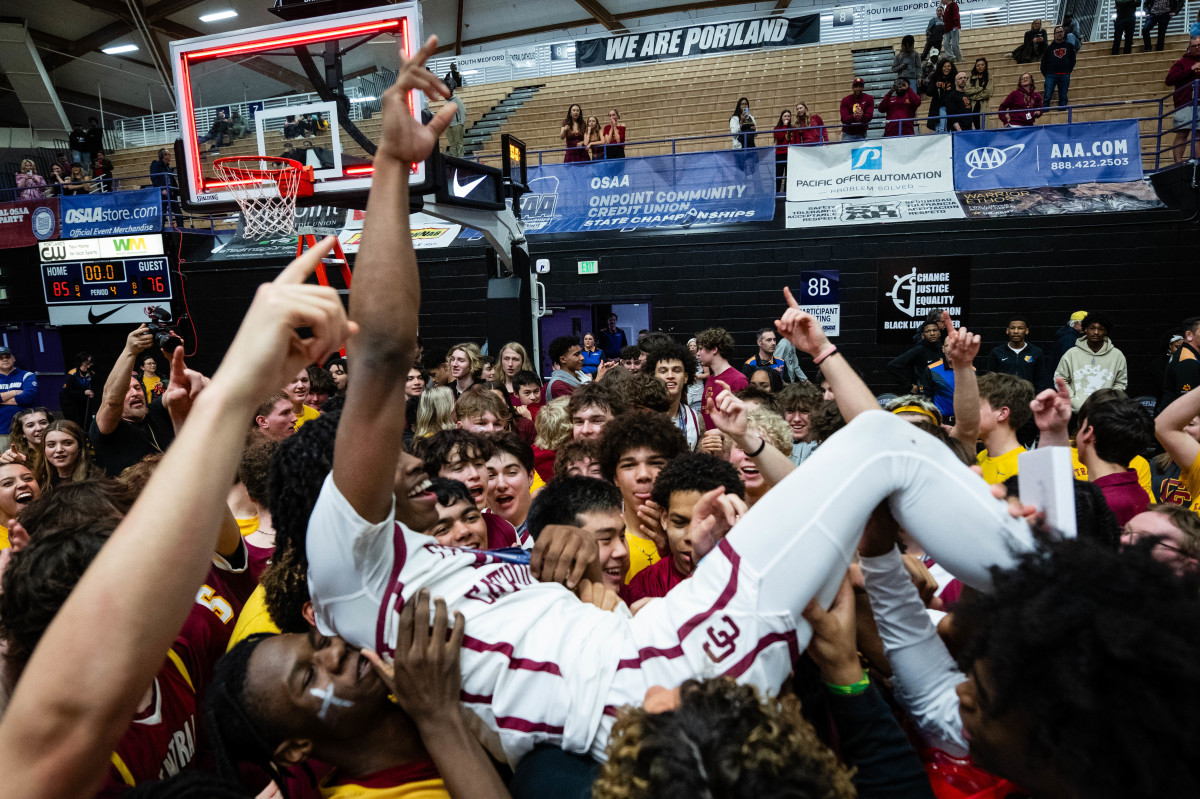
(721, 642)
(504, 580)
(209, 598)
(180, 750)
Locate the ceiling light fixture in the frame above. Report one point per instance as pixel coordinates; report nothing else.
(120, 48)
(216, 16)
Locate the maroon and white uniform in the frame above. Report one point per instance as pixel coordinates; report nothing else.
(164, 739)
(540, 666)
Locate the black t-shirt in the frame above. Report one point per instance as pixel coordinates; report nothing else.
(130, 441)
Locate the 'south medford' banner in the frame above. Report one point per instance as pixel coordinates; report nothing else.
(872, 168)
(693, 40)
(909, 288)
(688, 190)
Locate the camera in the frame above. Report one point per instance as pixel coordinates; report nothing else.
(162, 328)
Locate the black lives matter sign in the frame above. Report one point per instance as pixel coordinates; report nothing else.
(907, 290)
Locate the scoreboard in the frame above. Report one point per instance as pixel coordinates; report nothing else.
(112, 279)
(95, 281)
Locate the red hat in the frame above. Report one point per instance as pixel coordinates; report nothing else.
(859, 82)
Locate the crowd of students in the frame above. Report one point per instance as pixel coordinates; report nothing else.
(285, 587)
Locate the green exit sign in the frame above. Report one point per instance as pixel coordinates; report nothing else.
(589, 267)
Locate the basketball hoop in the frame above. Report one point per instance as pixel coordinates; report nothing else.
(266, 188)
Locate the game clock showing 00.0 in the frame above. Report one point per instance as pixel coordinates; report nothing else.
(107, 280)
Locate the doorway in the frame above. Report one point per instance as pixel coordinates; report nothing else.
(578, 318)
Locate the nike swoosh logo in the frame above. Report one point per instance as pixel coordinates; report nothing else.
(462, 191)
(96, 319)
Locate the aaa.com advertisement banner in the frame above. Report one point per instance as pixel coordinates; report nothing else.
(688, 190)
(872, 168)
(26, 222)
(114, 214)
(1047, 155)
(694, 40)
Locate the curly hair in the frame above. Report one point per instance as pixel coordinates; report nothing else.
(633, 430)
(563, 500)
(645, 392)
(553, 424)
(716, 338)
(722, 741)
(763, 399)
(672, 352)
(573, 452)
(436, 450)
(1099, 653)
(630, 352)
(799, 397)
(298, 468)
(770, 425)
(696, 471)
(254, 471)
(1008, 391)
(38, 580)
(1101, 318)
(826, 420)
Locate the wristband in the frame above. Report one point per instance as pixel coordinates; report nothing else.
(854, 689)
(832, 349)
(761, 446)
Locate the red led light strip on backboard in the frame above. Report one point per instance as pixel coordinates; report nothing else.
(303, 38)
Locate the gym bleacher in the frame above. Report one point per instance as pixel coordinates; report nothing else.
(681, 100)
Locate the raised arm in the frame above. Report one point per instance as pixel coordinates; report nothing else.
(385, 299)
(961, 349)
(1169, 429)
(806, 335)
(112, 401)
(1052, 413)
(132, 601)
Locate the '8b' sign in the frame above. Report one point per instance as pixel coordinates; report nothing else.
(818, 288)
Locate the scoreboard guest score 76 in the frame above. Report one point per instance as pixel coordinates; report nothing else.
(108, 280)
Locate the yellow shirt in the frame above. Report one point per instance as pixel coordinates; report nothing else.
(537, 485)
(150, 382)
(1138, 464)
(424, 789)
(247, 526)
(307, 414)
(1000, 468)
(4, 542)
(1190, 479)
(253, 619)
(642, 553)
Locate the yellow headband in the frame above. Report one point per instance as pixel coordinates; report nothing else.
(916, 409)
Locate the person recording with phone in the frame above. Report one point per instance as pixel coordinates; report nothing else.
(742, 125)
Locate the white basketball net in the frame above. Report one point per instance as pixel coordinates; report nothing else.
(265, 190)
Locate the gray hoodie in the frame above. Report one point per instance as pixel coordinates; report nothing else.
(1086, 371)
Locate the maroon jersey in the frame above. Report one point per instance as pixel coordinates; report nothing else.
(653, 581)
(164, 739)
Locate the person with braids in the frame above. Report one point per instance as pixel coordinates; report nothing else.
(127, 600)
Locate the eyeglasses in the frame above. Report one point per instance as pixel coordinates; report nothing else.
(1135, 536)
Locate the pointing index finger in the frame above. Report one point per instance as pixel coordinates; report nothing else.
(298, 270)
(791, 301)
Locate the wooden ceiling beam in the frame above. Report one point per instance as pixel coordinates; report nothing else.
(602, 15)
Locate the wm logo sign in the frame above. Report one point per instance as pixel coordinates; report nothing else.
(129, 245)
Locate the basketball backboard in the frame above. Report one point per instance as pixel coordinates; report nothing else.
(309, 90)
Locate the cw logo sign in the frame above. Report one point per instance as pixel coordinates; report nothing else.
(982, 159)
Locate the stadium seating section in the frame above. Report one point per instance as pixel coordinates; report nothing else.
(659, 102)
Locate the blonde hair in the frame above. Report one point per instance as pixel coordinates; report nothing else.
(435, 411)
(553, 424)
(516, 347)
(773, 428)
(473, 353)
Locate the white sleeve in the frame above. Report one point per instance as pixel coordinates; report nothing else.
(349, 563)
(925, 675)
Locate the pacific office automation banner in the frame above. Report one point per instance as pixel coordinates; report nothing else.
(689, 190)
(866, 211)
(727, 37)
(873, 168)
(114, 214)
(1089, 198)
(1047, 155)
(23, 224)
